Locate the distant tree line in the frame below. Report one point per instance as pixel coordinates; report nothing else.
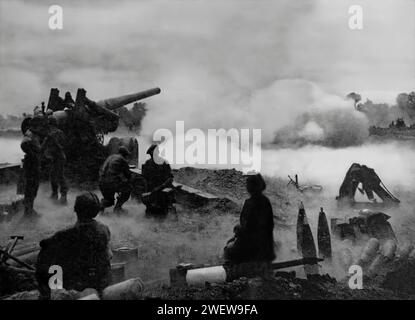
(382, 114)
(10, 122)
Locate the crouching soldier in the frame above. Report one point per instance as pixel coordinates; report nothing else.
(81, 252)
(114, 178)
(253, 240)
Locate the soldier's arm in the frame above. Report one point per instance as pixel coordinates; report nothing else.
(269, 221)
(144, 171)
(59, 236)
(108, 234)
(44, 144)
(168, 174)
(126, 169)
(244, 217)
(167, 169)
(55, 140)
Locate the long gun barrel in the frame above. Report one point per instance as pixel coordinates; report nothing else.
(117, 102)
(294, 263)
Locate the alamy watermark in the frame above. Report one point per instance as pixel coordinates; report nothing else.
(56, 17)
(356, 277)
(56, 280)
(356, 17)
(240, 148)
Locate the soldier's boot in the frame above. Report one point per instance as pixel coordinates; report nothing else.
(119, 209)
(27, 210)
(54, 195)
(28, 207)
(64, 200)
(121, 199)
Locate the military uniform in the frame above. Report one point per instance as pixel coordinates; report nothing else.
(31, 169)
(115, 177)
(54, 151)
(253, 240)
(157, 175)
(82, 251)
(68, 102)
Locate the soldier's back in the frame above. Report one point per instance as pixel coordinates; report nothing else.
(82, 252)
(113, 168)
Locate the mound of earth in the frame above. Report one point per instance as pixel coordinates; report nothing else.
(231, 184)
(12, 280)
(285, 286)
(226, 183)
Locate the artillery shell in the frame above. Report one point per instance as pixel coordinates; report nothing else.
(305, 241)
(346, 258)
(301, 220)
(323, 236)
(369, 252)
(405, 250)
(376, 265)
(130, 289)
(389, 249)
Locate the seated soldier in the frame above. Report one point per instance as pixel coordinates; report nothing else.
(253, 240)
(82, 251)
(158, 175)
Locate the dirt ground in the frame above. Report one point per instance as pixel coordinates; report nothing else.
(198, 235)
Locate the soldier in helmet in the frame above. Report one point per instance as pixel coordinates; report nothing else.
(158, 175)
(43, 107)
(82, 251)
(114, 177)
(33, 130)
(68, 102)
(53, 147)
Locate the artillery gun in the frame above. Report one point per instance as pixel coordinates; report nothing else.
(371, 185)
(85, 123)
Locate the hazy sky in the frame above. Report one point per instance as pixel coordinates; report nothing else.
(205, 53)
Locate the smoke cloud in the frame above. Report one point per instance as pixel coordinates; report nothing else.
(237, 63)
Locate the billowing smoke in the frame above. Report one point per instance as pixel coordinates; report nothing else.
(219, 64)
(321, 118)
(289, 112)
(333, 128)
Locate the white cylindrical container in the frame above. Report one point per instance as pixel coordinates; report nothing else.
(198, 277)
(127, 290)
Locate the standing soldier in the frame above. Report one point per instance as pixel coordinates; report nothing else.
(31, 163)
(53, 146)
(114, 178)
(68, 102)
